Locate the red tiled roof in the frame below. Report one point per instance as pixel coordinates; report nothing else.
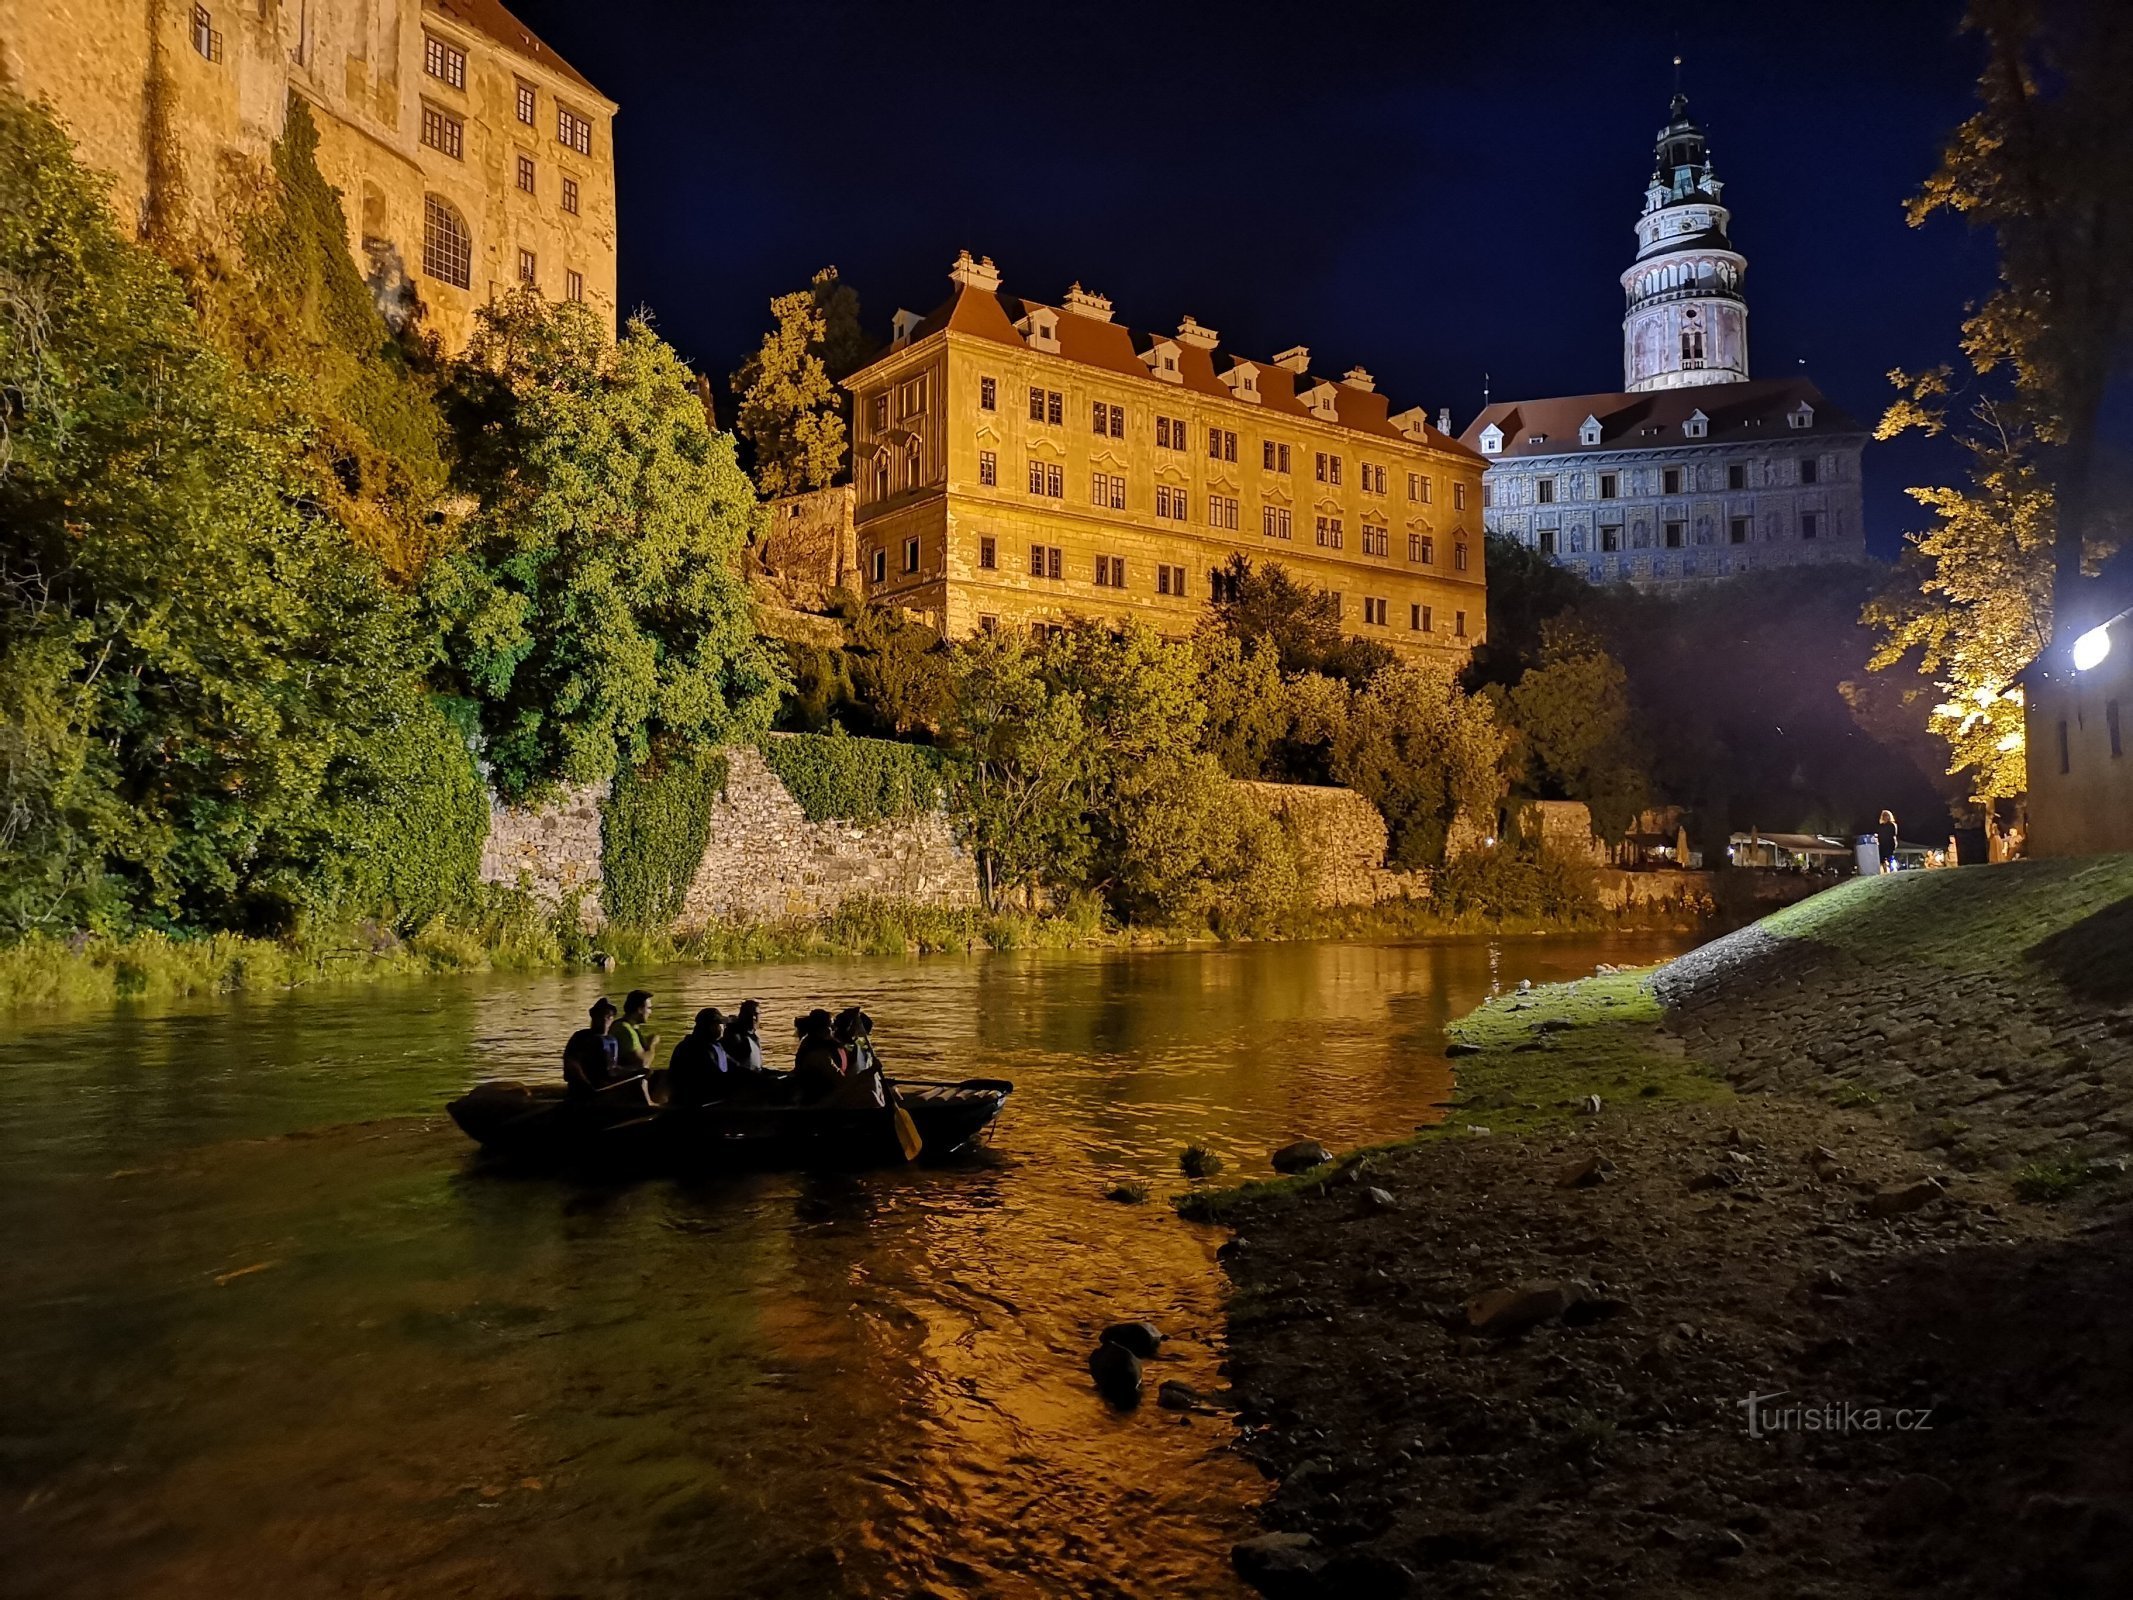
(492, 19)
(1737, 413)
(1116, 348)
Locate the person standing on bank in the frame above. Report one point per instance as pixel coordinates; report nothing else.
(1885, 840)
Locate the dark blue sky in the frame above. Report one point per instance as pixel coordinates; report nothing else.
(1432, 190)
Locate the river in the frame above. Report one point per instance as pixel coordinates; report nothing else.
(272, 1332)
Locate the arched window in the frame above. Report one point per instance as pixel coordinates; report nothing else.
(447, 247)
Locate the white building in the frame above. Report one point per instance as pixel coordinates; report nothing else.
(1692, 470)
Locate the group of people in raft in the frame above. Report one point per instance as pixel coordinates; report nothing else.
(721, 1059)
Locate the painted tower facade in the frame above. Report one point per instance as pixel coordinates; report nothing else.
(1687, 319)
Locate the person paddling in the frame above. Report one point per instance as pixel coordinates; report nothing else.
(698, 1071)
(637, 1042)
(819, 1065)
(589, 1057)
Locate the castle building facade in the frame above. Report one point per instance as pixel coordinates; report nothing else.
(1019, 465)
(1693, 470)
(470, 157)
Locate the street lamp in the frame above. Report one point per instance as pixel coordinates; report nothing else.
(2091, 648)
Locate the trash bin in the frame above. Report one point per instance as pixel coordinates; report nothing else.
(1869, 848)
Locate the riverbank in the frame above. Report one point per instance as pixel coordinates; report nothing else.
(1867, 1153)
(517, 934)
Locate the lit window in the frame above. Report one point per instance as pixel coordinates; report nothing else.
(573, 130)
(442, 131)
(570, 195)
(1458, 494)
(525, 174)
(573, 285)
(525, 104)
(447, 249)
(1459, 555)
(988, 469)
(447, 63)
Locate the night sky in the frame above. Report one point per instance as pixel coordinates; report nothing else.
(1434, 191)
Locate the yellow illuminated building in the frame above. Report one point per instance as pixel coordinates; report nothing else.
(1018, 464)
(470, 157)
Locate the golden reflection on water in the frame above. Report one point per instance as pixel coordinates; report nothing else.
(436, 1381)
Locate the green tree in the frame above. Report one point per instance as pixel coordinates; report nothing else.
(1970, 605)
(1018, 768)
(793, 415)
(595, 608)
(1424, 754)
(1244, 698)
(1526, 592)
(1571, 715)
(899, 670)
(200, 664)
(1302, 623)
(2046, 162)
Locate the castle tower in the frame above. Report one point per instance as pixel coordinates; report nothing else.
(1687, 320)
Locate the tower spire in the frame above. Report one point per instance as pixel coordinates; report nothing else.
(1686, 320)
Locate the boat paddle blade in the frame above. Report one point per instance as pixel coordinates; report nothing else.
(907, 1133)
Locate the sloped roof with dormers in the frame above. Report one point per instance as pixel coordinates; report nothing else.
(1737, 413)
(1115, 348)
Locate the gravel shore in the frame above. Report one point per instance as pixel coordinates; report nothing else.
(1835, 1305)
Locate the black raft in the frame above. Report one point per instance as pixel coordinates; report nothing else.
(540, 1123)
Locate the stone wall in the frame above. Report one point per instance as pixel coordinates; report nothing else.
(1342, 840)
(764, 861)
(554, 850)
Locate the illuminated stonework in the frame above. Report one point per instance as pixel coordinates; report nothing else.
(1687, 319)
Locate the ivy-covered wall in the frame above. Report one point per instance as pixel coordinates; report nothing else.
(751, 850)
(837, 778)
(653, 829)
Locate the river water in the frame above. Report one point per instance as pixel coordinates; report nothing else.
(270, 1331)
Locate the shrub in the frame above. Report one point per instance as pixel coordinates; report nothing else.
(837, 778)
(653, 830)
(1504, 885)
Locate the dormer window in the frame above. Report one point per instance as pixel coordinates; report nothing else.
(1698, 426)
(1589, 431)
(1243, 382)
(1536, 438)
(1802, 415)
(1162, 359)
(1320, 399)
(1041, 327)
(903, 325)
(1492, 440)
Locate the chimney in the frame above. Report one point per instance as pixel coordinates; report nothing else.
(1444, 419)
(1190, 332)
(1086, 303)
(1297, 359)
(1359, 378)
(980, 275)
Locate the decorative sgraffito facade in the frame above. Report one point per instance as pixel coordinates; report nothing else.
(469, 156)
(1018, 464)
(1693, 470)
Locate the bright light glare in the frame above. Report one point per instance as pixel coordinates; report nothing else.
(2091, 648)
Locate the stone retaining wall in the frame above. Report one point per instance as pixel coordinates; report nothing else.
(1342, 840)
(764, 861)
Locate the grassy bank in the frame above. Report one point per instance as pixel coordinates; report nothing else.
(514, 934)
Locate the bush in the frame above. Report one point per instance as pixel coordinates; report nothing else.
(1504, 885)
(837, 778)
(653, 830)
(408, 847)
